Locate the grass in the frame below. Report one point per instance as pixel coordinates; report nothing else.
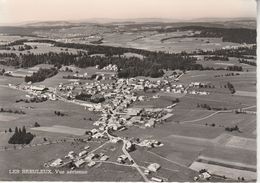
(228, 119)
(244, 143)
(231, 154)
(62, 129)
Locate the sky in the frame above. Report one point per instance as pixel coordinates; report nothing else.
(16, 11)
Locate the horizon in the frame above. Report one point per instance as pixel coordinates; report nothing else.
(122, 20)
(17, 11)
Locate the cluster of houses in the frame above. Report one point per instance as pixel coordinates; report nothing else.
(35, 92)
(150, 143)
(119, 95)
(74, 160)
(110, 67)
(198, 85)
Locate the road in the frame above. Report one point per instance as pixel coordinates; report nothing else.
(134, 163)
(129, 156)
(206, 117)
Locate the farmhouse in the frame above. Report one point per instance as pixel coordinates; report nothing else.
(122, 158)
(79, 163)
(39, 88)
(91, 163)
(133, 111)
(104, 158)
(156, 179)
(153, 167)
(129, 146)
(205, 176)
(82, 153)
(57, 162)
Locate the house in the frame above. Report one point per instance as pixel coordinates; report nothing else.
(86, 147)
(205, 176)
(91, 156)
(39, 88)
(104, 158)
(82, 153)
(136, 119)
(79, 163)
(114, 140)
(171, 106)
(71, 152)
(57, 162)
(91, 163)
(94, 131)
(138, 87)
(153, 167)
(156, 179)
(146, 172)
(122, 158)
(70, 155)
(133, 111)
(150, 123)
(98, 135)
(129, 146)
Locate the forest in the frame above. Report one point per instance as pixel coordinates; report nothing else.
(41, 75)
(238, 35)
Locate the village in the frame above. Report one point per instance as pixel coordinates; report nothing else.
(114, 101)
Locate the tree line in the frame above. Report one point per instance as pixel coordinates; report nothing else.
(234, 35)
(240, 52)
(247, 62)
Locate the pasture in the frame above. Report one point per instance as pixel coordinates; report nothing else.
(62, 129)
(244, 143)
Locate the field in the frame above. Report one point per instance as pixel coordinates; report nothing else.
(168, 42)
(62, 129)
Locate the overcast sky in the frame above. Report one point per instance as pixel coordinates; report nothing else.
(14, 11)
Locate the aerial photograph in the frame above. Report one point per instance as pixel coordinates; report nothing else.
(128, 90)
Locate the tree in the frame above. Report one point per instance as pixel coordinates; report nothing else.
(36, 124)
(23, 130)
(10, 130)
(16, 130)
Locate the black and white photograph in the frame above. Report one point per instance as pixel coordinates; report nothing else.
(128, 90)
